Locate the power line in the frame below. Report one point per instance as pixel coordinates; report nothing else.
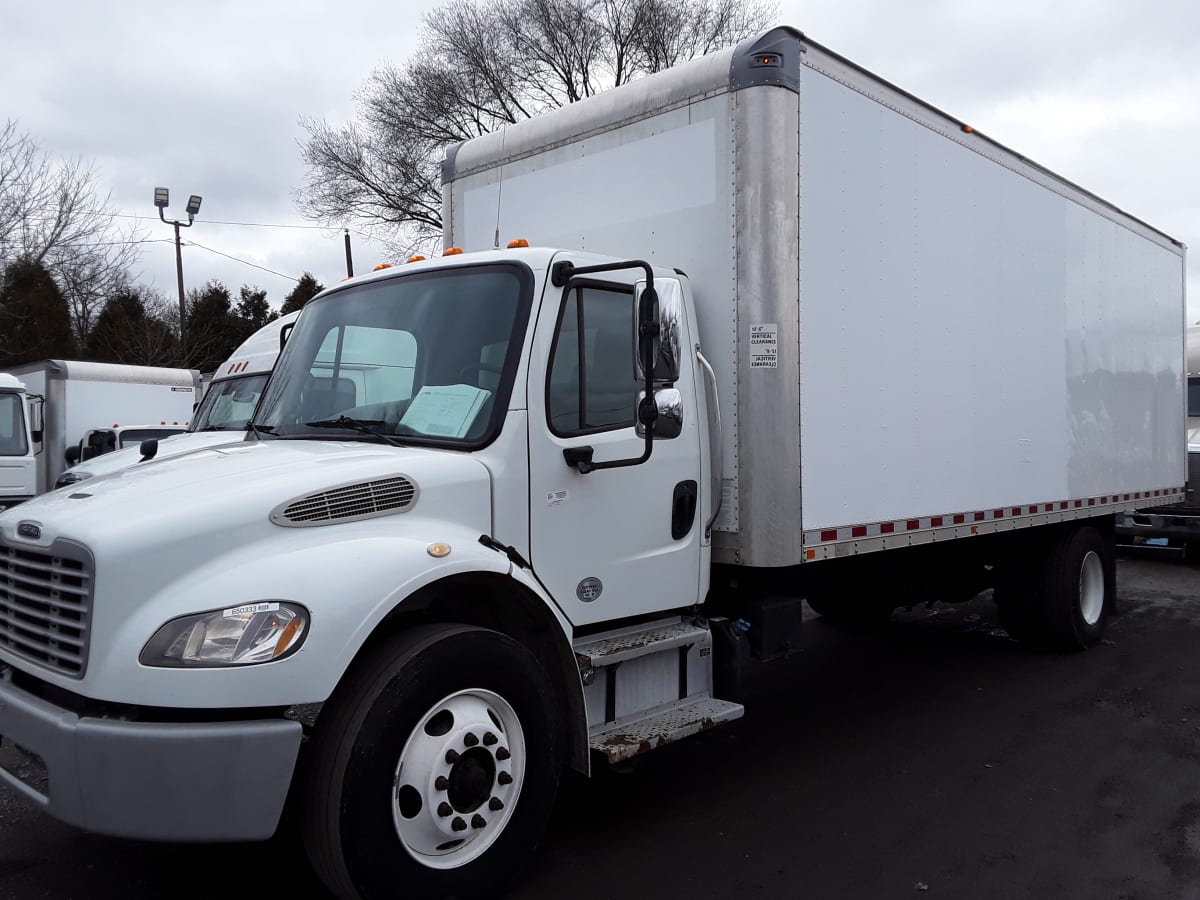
(244, 262)
(256, 224)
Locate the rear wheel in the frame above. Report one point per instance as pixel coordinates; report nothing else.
(435, 772)
(1063, 596)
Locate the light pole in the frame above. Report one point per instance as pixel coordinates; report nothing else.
(161, 200)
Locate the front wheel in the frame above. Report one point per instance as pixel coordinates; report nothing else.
(434, 768)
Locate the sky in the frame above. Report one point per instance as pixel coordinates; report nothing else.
(207, 98)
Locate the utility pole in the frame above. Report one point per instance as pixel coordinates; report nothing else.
(162, 200)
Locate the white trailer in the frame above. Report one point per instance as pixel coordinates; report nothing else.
(88, 398)
(228, 403)
(792, 335)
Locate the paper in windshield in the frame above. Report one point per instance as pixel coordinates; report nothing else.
(446, 410)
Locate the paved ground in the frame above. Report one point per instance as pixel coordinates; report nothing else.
(935, 758)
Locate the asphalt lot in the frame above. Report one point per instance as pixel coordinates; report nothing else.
(933, 758)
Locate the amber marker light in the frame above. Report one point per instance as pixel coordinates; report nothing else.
(517, 243)
(438, 550)
(380, 266)
(452, 251)
(416, 258)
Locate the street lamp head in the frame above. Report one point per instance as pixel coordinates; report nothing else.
(162, 197)
(193, 204)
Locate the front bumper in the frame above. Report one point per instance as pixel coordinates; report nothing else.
(163, 781)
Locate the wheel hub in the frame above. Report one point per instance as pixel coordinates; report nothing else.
(458, 778)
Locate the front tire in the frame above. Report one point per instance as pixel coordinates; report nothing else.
(434, 768)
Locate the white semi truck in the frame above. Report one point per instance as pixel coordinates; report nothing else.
(20, 434)
(227, 405)
(789, 333)
(82, 409)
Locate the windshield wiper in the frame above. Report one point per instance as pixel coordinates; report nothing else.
(366, 426)
(257, 430)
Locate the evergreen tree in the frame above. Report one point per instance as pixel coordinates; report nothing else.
(306, 288)
(35, 322)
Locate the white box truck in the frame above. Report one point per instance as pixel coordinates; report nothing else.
(802, 336)
(86, 408)
(228, 403)
(19, 434)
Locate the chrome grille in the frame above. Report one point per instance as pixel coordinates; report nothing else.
(46, 605)
(361, 500)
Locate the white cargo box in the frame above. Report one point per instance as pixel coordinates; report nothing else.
(918, 333)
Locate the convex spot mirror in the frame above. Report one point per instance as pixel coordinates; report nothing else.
(666, 345)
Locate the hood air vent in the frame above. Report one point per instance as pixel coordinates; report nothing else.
(361, 500)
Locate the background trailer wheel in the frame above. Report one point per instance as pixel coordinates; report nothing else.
(434, 768)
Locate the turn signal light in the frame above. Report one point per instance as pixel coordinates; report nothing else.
(517, 243)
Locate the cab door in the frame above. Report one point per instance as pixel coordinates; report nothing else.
(621, 541)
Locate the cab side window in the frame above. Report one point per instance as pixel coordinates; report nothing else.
(592, 385)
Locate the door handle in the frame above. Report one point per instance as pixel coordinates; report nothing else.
(683, 509)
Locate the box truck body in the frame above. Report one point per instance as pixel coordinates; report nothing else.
(909, 322)
(791, 336)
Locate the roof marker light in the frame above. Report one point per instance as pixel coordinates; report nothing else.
(416, 258)
(452, 251)
(968, 129)
(517, 243)
(382, 266)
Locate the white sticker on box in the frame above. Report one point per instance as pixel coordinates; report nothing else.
(553, 498)
(250, 609)
(764, 346)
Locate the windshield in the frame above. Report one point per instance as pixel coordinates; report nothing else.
(12, 425)
(229, 404)
(427, 358)
(1194, 397)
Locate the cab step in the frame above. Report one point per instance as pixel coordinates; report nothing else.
(648, 685)
(629, 739)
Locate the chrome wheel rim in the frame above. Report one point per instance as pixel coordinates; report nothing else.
(458, 779)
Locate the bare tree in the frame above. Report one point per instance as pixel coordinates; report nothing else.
(52, 213)
(481, 65)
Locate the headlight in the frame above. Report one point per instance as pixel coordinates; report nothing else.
(70, 477)
(239, 636)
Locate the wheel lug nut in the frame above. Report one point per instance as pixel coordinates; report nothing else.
(478, 821)
(489, 739)
(458, 824)
(441, 783)
(470, 740)
(503, 753)
(504, 778)
(495, 805)
(444, 809)
(452, 756)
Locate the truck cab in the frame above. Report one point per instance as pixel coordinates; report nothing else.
(19, 442)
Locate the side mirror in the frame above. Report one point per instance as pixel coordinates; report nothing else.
(36, 434)
(668, 312)
(668, 422)
(72, 454)
(284, 333)
(149, 449)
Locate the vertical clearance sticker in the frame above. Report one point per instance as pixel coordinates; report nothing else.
(764, 346)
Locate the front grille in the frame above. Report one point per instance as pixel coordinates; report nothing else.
(361, 500)
(46, 605)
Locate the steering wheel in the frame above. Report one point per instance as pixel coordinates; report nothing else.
(479, 367)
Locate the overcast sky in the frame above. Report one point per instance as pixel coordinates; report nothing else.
(206, 98)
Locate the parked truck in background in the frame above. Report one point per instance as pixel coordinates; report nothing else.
(84, 405)
(788, 332)
(1175, 524)
(19, 434)
(227, 405)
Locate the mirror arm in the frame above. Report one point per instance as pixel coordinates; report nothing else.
(561, 275)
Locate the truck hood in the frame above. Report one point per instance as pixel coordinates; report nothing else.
(226, 493)
(175, 445)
